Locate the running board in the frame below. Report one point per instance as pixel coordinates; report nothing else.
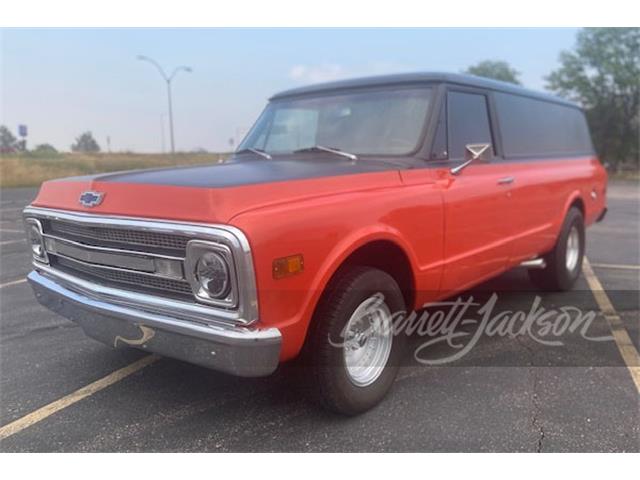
(534, 263)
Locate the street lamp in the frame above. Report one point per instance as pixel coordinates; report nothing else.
(168, 79)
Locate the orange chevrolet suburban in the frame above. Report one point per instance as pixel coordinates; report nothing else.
(408, 188)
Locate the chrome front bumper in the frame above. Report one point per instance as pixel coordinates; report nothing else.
(240, 351)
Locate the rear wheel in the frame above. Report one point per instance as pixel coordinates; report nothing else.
(353, 352)
(564, 262)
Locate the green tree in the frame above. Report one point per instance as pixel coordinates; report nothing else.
(8, 142)
(495, 69)
(45, 148)
(85, 143)
(602, 74)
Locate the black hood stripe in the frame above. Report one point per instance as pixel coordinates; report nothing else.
(247, 172)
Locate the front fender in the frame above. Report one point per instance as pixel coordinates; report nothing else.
(337, 257)
(326, 231)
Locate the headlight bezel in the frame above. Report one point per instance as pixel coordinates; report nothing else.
(34, 225)
(196, 249)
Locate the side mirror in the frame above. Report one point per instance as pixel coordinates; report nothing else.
(475, 152)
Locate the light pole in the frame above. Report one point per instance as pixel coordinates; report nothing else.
(167, 79)
(162, 132)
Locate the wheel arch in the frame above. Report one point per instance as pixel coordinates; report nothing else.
(573, 200)
(577, 202)
(389, 257)
(398, 261)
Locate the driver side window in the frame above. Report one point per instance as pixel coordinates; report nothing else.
(468, 121)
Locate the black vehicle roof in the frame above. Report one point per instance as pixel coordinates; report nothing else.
(418, 78)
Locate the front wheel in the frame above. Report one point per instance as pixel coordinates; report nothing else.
(354, 353)
(564, 262)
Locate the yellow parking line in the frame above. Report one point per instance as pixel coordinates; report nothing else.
(621, 336)
(614, 266)
(44, 412)
(15, 282)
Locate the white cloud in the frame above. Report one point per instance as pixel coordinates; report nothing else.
(327, 72)
(317, 73)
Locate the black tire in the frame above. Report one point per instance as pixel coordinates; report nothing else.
(330, 382)
(556, 276)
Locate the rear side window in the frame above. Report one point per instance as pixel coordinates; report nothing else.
(468, 122)
(532, 127)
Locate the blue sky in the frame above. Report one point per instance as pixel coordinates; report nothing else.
(62, 82)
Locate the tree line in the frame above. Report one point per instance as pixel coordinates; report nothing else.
(84, 143)
(602, 75)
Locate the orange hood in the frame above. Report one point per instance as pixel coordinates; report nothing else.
(213, 194)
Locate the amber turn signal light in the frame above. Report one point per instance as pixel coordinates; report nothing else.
(287, 266)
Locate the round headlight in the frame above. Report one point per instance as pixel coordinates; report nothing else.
(36, 242)
(212, 275)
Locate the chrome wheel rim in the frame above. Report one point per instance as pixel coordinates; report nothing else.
(368, 340)
(573, 249)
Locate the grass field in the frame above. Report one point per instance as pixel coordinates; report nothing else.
(29, 170)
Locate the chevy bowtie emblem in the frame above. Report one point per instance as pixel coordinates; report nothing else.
(91, 199)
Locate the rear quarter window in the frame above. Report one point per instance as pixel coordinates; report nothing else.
(532, 127)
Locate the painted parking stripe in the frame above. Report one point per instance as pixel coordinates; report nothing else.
(15, 282)
(74, 397)
(9, 230)
(621, 336)
(615, 266)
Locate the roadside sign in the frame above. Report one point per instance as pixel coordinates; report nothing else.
(22, 130)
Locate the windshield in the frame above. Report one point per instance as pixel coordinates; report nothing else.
(381, 122)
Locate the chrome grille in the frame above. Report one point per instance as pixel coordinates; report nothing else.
(139, 281)
(122, 236)
(140, 262)
(122, 243)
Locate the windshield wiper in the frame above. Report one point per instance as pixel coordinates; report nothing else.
(335, 151)
(257, 151)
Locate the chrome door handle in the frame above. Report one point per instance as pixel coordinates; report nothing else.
(506, 180)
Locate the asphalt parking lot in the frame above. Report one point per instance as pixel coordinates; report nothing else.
(589, 403)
